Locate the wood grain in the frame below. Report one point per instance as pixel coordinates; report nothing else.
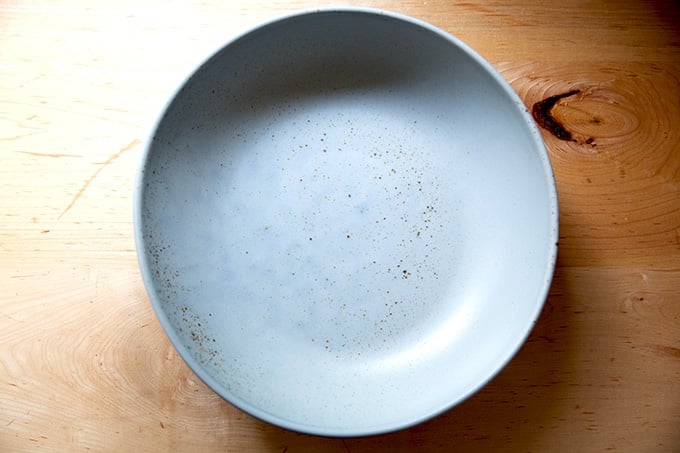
(85, 366)
(618, 179)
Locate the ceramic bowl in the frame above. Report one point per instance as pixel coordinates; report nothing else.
(346, 221)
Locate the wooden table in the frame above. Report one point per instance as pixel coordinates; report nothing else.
(84, 365)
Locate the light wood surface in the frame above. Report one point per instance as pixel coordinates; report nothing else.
(84, 365)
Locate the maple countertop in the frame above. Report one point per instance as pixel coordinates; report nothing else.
(84, 365)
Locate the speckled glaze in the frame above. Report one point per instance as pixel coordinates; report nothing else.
(346, 222)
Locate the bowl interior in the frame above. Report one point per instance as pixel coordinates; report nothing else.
(346, 222)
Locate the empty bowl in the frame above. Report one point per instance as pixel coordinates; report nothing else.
(346, 221)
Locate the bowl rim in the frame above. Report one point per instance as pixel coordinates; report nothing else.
(146, 273)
